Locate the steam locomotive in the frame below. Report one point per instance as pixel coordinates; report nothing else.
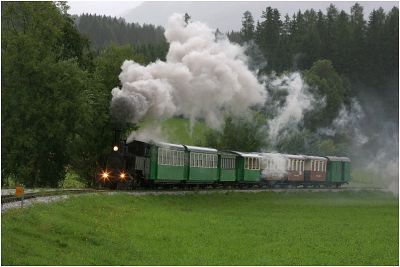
(146, 164)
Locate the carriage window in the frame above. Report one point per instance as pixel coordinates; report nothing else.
(228, 163)
(251, 163)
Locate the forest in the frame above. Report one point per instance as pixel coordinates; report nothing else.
(58, 71)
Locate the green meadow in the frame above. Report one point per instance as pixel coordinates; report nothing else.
(264, 228)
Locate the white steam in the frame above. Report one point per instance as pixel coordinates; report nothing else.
(297, 102)
(348, 122)
(273, 166)
(204, 77)
(385, 167)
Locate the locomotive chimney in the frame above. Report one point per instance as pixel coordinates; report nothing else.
(117, 136)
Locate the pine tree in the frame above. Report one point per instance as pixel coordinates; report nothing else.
(247, 30)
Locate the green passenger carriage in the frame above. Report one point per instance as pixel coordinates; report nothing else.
(247, 167)
(227, 167)
(167, 163)
(203, 163)
(338, 170)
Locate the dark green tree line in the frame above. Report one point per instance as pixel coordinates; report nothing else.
(55, 94)
(43, 90)
(104, 30)
(363, 50)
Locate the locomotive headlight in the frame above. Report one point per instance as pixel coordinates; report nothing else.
(122, 176)
(115, 148)
(105, 176)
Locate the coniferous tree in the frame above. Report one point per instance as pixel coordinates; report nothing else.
(247, 30)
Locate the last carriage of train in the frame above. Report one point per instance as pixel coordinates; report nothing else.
(139, 164)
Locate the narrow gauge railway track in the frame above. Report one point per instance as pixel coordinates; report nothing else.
(250, 189)
(13, 198)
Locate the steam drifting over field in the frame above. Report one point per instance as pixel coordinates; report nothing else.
(204, 77)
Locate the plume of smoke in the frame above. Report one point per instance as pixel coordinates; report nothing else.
(276, 170)
(204, 77)
(381, 157)
(297, 101)
(256, 60)
(374, 147)
(348, 122)
(152, 132)
(385, 168)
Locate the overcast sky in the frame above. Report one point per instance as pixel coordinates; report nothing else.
(109, 8)
(222, 15)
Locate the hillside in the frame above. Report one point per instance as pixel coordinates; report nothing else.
(102, 30)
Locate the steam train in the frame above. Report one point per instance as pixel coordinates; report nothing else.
(146, 164)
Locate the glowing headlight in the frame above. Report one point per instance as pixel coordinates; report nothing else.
(122, 176)
(115, 148)
(105, 176)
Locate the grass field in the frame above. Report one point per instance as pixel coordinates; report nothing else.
(342, 228)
